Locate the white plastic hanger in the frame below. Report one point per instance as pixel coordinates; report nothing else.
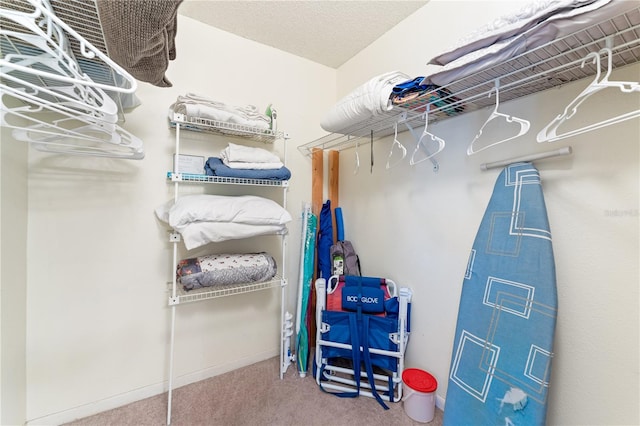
(90, 101)
(88, 140)
(422, 140)
(42, 73)
(69, 132)
(524, 124)
(44, 30)
(392, 151)
(355, 171)
(550, 132)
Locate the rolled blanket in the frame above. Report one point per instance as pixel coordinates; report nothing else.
(367, 101)
(225, 269)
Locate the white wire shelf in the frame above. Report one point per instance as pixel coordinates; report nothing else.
(200, 124)
(551, 65)
(184, 296)
(194, 178)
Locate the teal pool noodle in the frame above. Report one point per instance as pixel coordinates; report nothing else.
(339, 224)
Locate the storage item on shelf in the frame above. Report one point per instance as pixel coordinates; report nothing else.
(250, 209)
(203, 218)
(484, 53)
(223, 118)
(365, 102)
(216, 167)
(247, 157)
(506, 26)
(225, 269)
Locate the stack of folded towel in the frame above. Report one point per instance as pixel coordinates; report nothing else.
(193, 105)
(246, 157)
(247, 162)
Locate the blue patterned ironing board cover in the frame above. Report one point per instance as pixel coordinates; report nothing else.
(501, 360)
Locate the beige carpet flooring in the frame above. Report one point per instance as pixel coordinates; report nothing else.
(255, 395)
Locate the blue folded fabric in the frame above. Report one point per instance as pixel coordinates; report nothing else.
(411, 86)
(215, 167)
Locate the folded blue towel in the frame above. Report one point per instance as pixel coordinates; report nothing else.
(215, 167)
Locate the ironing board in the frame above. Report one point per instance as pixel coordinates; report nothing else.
(501, 360)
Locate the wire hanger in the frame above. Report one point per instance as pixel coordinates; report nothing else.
(392, 151)
(421, 142)
(550, 132)
(524, 124)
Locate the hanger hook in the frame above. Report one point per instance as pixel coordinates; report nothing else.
(596, 60)
(396, 142)
(496, 87)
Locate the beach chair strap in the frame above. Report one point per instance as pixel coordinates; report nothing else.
(355, 358)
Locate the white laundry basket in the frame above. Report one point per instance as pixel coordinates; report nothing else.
(419, 398)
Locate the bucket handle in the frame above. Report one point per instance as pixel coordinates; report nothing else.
(408, 393)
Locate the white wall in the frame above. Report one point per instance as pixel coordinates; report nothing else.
(13, 281)
(417, 227)
(99, 261)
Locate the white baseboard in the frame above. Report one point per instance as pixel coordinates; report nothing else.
(146, 391)
(440, 402)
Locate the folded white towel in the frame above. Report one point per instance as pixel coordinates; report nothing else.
(247, 111)
(212, 113)
(193, 105)
(240, 153)
(252, 166)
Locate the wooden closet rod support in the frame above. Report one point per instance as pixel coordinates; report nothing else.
(558, 152)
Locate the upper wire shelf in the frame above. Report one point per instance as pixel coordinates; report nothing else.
(551, 65)
(200, 124)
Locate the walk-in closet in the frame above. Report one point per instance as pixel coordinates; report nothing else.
(175, 199)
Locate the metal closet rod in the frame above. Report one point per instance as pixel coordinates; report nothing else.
(548, 154)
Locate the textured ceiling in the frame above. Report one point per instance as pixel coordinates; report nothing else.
(327, 32)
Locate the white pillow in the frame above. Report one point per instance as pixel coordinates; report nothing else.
(200, 233)
(249, 209)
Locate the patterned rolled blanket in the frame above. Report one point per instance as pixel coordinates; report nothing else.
(225, 269)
